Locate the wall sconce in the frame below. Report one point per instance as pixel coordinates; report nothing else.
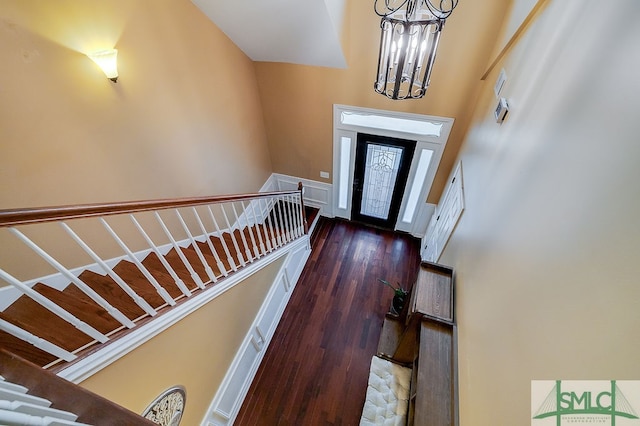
(107, 60)
(410, 33)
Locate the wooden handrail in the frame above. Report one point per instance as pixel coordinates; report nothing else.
(13, 217)
(89, 407)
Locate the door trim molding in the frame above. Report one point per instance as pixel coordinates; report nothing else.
(435, 143)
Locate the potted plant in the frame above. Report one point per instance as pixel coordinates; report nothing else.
(399, 296)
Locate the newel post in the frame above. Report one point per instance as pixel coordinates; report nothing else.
(304, 214)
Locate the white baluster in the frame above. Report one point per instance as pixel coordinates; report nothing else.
(36, 406)
(233, 237)
(53, 307)
(250, 228)
(194, 244)
(81, 285)
(272, 238)
(224, 243)
(127, 289)
(221, 267)
(247, 252)
(194, 276)
(183, 288)
(294, 214)
(14, 418)
(289, 212)
(161, 290)
(259, 226)
(283, 227)
(36, 341)
(302, 214)
(283, 218)
(277, 224)
(290, 209)
(298, 213)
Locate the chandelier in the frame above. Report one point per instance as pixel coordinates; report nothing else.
(408, 43)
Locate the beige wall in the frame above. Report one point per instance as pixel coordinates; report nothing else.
(546, 251)
(297, 100)
(179, 122)
(195, 353)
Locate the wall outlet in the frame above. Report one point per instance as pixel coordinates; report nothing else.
(324, 175)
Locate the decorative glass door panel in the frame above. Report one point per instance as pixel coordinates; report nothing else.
(380, 175)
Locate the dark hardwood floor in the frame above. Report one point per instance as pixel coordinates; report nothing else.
(316, 368)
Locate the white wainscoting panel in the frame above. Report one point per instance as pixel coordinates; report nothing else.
(316, 194)
(227, 402)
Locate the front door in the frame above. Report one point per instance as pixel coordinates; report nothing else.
(380, 176)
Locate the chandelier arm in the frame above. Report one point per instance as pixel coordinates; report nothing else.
(388, 8)
(441, 12)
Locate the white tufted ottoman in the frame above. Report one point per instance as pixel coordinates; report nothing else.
(387, 397)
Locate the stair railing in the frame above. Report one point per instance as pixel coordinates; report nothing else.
(36, 397)
(178, 247)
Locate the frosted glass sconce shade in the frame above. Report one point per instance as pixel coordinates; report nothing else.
(107, 60)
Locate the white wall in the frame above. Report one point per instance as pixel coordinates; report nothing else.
(546, 252)
(519, 11)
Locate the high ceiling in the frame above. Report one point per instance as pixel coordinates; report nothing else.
(305, 32)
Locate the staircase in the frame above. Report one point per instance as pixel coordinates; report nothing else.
(189, 247)
(32, 396)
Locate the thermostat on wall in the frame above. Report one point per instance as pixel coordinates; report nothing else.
(501, 110)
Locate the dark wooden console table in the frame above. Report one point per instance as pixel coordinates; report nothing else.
(421, 337)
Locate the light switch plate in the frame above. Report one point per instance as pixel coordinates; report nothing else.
(502, 78)
(324, 175)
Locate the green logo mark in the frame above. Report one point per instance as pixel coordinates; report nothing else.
(606, 403)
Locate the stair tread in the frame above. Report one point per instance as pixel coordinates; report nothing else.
(25, 350)
(267, 235)
(232, 248)
(206, 252)
(83, 307)
(106, 287)
(39, 321)
(178, 267)
(196, 263)
(157, 269)
(217, 245)
(130, 273)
